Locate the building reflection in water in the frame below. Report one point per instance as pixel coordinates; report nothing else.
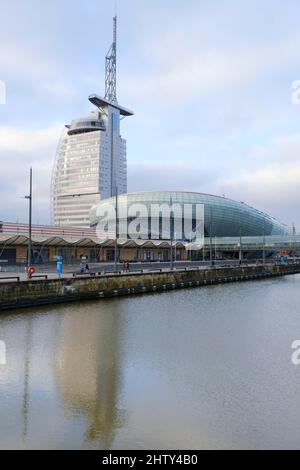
(27, 364)
(88, 369)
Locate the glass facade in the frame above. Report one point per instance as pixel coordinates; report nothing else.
(222, 217)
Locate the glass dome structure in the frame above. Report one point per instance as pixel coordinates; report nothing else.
(223, 217)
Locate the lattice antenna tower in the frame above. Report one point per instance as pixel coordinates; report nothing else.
(111, 68)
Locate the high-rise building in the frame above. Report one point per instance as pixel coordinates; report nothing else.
(91, 161)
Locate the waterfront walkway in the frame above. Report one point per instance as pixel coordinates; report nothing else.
(70, 271)
(23, 293)
(108, 269)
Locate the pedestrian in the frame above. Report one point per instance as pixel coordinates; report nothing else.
(81, 267)
(127, 266)
(87, 268)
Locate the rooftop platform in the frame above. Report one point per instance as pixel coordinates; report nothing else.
(102, 102)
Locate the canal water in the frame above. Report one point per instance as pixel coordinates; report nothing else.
(192, 369)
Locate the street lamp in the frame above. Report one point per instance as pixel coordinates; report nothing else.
(240, 243)
(171, 233)
(264, 244)
(294, 233)
(191, 246)
(215, 240)
(29, 197)
(210, 237)
(116, 234)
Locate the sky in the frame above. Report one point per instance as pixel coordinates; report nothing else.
(210, 83)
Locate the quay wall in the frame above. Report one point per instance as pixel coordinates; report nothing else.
(31, 293)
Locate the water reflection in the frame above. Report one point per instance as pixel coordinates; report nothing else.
(201, 368)
(88, 371)
(27, 359)
(69, 360)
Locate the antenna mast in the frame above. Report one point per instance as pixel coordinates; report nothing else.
(111, 69)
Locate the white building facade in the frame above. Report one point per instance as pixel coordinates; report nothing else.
(90, 165)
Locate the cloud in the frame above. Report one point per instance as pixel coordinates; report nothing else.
(30, 143)
(272, 189)
(180, 175)
(59, 89)
(196, 68)
(20, 149)
(207, 80)
(269, 181)
(234, 117)
(21, 59)
(282, 149)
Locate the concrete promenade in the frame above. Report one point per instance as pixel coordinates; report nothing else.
(35, 292)
(108, 268)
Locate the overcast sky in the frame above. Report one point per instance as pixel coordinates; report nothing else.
(210, 82)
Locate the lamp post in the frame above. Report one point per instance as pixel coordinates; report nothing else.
(210, 239)
(29, 197)
(294, 233)
(241, 248)
(171, 258)
(191, 246)
(171, 234)
(116, 234)
(172, 226)
(215, 247)
(264, 244)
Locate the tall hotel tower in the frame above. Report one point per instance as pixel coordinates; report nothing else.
(91, 161)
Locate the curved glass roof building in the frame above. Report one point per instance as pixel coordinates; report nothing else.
(223, 217)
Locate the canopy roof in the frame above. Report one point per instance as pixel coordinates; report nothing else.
(19, 240)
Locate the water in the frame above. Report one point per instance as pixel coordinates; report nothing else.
(191, 369)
